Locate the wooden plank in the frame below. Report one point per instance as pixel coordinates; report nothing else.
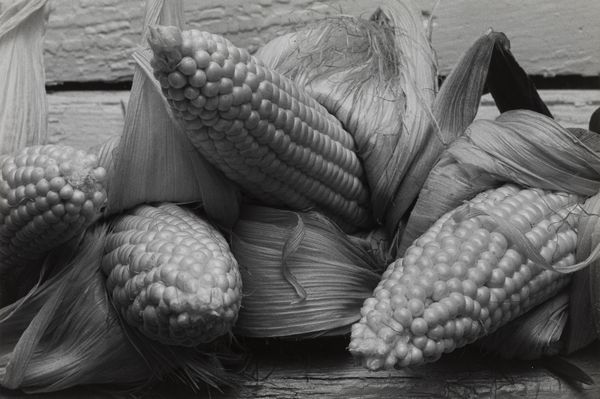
(85, 119)
(322, 368)
(91, 40)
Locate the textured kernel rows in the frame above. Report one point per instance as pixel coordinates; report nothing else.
(172, 275)
(462, 279)
(48, 194)
(266, 134)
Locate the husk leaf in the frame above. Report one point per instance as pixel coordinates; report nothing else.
(154, 161)
(455, 108)
(487, 65)
(522, 147)
(23, 105)
(378, 77)
(331, 275)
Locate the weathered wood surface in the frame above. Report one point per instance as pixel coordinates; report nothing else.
(323, 369)
(92, 39)
(85, 119)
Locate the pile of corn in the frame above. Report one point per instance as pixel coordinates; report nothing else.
(279, 195)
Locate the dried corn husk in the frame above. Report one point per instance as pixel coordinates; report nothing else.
(154, 161)
(23, 114)
(65, 332)
(520, 146)
(302, 276)
(377, 76)
(487, 63)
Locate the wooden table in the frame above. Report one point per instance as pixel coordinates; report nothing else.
(322, 368)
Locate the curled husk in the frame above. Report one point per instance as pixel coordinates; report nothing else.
(302, 276)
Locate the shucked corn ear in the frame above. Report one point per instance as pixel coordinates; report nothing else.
(465, 277)
(172, 275)
(48, 195)
(258, 127)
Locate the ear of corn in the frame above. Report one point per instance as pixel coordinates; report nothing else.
(67, 333)
(23, 103)
(154, 160)
(467, 276)
(378, 77)
(48, 195)
(171, 275)
(258, 127)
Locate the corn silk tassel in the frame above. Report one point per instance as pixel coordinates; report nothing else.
(378, 77)
(154, 160)
(302, 276)
(23, 104)
(65, 332)
(258, 127)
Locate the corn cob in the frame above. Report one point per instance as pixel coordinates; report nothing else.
(48, 195)
(465, 278)
(258, 127)
(172, 275)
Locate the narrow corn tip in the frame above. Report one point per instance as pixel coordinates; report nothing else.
(172, 276)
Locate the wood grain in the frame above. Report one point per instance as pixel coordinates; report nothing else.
(85, 119)
(91, 40)
(323, 369)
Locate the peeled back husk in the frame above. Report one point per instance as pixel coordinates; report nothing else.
(520, 146)
(23, 105)
(302, 276)
(378, 77)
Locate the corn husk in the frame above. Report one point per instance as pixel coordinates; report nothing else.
(65, 332)
(23, 107)
(302, 276)
(520, 146)
(488, 63)
(154, 161)
(378, 77)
